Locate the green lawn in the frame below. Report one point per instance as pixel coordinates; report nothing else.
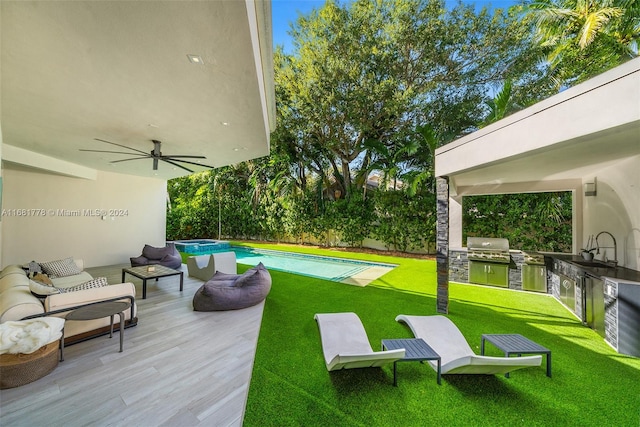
(592, 385)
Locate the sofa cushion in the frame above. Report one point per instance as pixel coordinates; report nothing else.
(42, 290)
(12, 269)
(98, 282)
(61, 268)
(70, 281)
(19, 302)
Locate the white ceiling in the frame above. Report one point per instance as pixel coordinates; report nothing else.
(72, 71)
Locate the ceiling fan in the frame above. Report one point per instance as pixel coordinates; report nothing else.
(155, 154)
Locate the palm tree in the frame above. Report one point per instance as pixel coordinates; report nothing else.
(586, 37)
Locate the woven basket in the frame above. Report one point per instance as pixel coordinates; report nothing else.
(21, 369)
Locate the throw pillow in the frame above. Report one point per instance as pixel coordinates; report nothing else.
(34, 267)
(60, 268)
(42, 278)
(98, 282)
(41, 290)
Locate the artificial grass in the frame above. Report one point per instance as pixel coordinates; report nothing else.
(592, 385)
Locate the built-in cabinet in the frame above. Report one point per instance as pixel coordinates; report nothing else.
(492, 274)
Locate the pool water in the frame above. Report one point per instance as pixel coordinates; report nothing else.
(201, 246)
(334, 269)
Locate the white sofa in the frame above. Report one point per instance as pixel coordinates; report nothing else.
(204, 267)
(17, 301)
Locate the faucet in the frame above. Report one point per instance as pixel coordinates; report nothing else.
(615, 248)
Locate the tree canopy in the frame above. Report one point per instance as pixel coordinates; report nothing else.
(374, 87)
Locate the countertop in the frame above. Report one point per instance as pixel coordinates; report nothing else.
(618, 274)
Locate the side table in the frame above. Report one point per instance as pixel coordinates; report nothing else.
(416, 350)
(516, 344)
(98, 311)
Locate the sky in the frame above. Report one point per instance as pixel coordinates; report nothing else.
(286, 11)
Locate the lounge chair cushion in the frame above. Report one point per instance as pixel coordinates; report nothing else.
(345, 344)
(457, 357)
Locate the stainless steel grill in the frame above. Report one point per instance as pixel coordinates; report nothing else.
(488, 261)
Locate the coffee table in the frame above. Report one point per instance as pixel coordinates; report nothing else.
(416, 350)
(158, 272)
(98, 311)
(516, 344)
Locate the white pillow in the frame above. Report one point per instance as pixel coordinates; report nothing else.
(42, 290)
(60, 268)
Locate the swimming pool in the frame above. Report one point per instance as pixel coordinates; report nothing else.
(201, 246)
(342, 270)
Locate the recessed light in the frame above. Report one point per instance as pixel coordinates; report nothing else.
(195, 59)
(224, 123)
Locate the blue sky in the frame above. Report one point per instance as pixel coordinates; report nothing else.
(286, 11)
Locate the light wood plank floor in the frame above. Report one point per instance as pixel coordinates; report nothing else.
(179, 367)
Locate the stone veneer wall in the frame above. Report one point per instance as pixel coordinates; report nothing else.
(442, 244)
(458, 265)
(611, 313)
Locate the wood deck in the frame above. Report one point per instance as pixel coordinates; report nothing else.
(179, 367)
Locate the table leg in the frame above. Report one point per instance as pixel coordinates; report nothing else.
(123, 276)
(144, 288)
(395, 378)
(121, 315)
(482, 346)
(111, 328)
(439, 371)
(549, 364)
(506, 355)
(181, 280)
(62, 346)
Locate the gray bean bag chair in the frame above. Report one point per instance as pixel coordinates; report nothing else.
(233, 291)
(167, 256)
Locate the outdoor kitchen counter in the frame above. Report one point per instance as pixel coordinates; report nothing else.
(617, 274)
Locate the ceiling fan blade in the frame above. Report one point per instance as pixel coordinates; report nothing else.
(191, 163)
(104, 151)
(171, 156)
(174, 164)
(119, 145)
(132, 158)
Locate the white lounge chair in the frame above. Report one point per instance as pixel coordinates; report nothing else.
(205, 266)
(345, 343)
(457, 357)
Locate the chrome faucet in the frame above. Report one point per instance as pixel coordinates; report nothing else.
(615, 248)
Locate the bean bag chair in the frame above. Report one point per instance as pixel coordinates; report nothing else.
(167, 256)
(233, 291)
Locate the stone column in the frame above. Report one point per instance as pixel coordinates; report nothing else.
(442, 244)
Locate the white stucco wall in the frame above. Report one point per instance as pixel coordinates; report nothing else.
(616, 209)
(68, 228)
